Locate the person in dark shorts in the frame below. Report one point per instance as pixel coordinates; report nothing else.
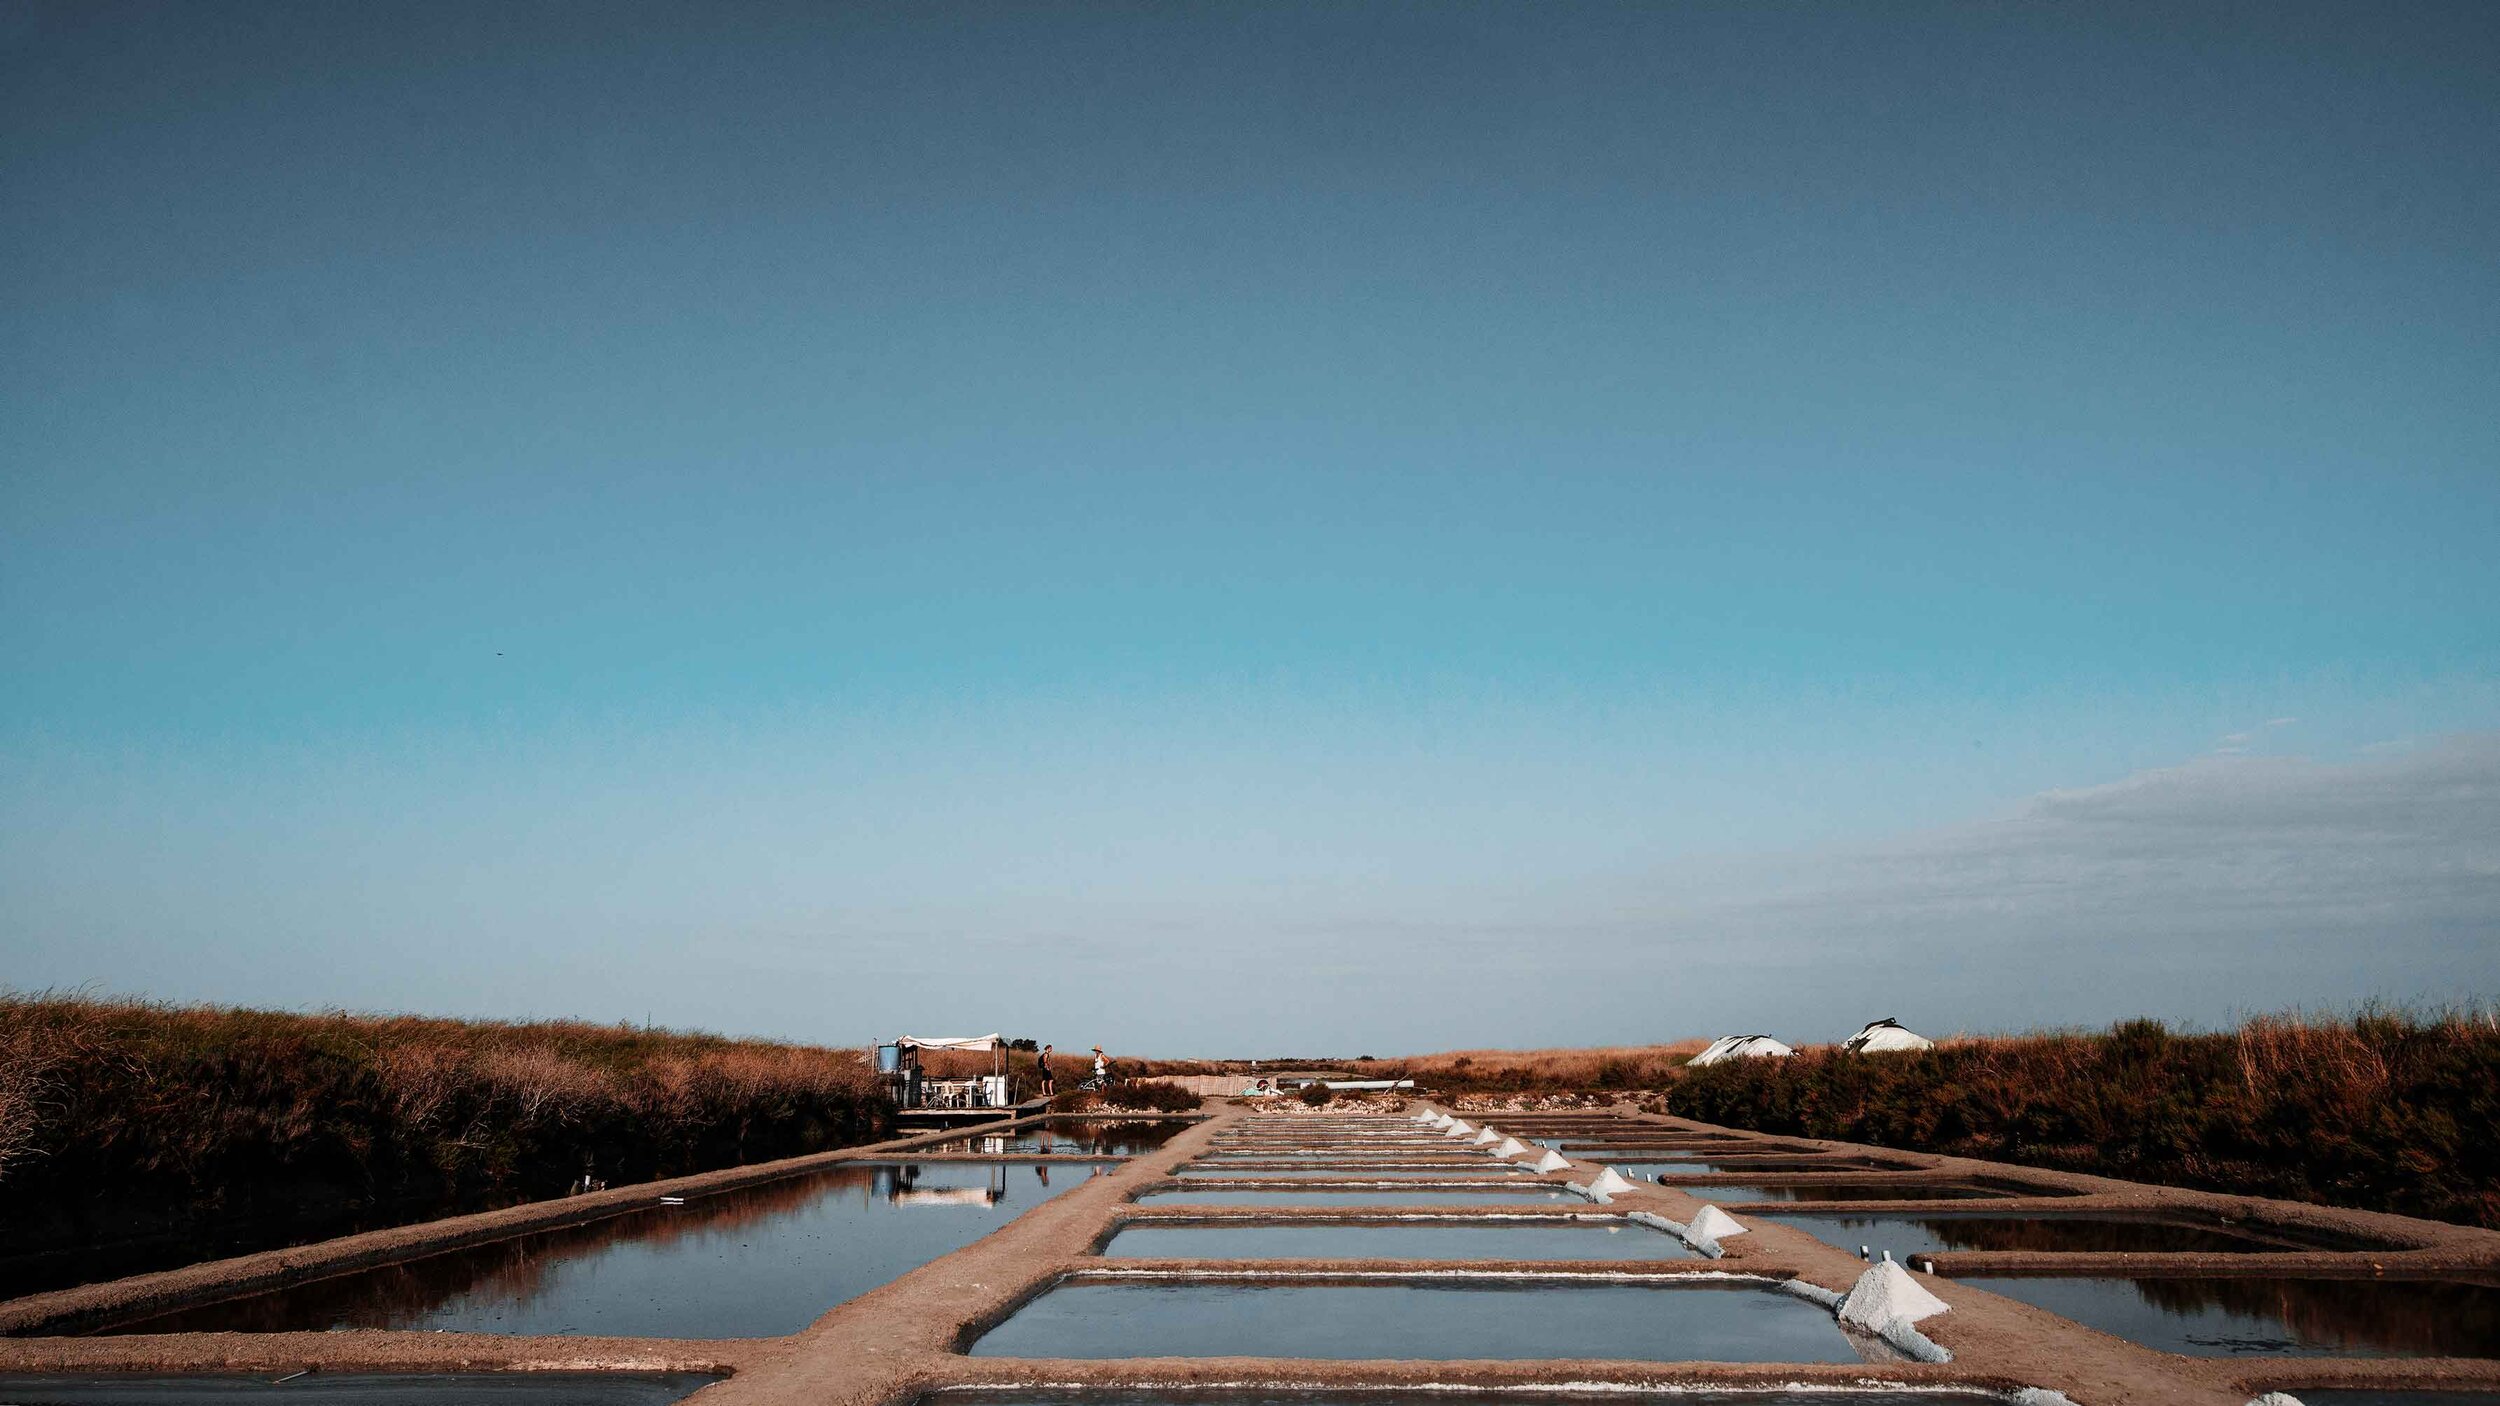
(1050, 1081)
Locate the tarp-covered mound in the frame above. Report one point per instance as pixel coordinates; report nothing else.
(1728, 1047)
(1886, 1035)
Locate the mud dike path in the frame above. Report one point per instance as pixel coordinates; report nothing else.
(1272, 1250)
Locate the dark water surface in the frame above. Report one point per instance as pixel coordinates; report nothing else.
(355, 1389)
(1720, 1166)
(1845, 1191)
(1591, 1239)
(2286, 1316)
(761, 1261)
(1083, 1137)
(2114, 1232)
(1703, 1320)
(1351, 1172)
(2366, 1397)
(1422, 1195)
(1723, 1397)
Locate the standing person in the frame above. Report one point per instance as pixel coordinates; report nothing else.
(1102, 1072)
(1050, 1081)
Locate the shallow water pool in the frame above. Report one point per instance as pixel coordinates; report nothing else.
(2115, 1232)
(1540, 1239)
(1300, 1173)
(1083, 1137)
(1845, 1191)
(1726, 1396)
(1712, 1166)
(358, 1389)
(2276, 1315)
(760, 1261)
(1422, 1195)
(1704, 1320)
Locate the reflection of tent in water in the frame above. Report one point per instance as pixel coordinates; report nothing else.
(900, 1186)
(1887, 1034)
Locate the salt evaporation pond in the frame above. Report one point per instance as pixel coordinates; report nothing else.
(2113, 1232)
(358, 1389)
(1702, 1320)
(1351, 1172)
(1421, 1195)
(1732, 1396)
(761, 1261)
(1845, 1191)
(2285, 1315)
(1083, 1137)
(1537, 1239)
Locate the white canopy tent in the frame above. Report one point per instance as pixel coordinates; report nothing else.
(913, 1090)
(978, 1044)
(1887, 1035)
(1728, 1047)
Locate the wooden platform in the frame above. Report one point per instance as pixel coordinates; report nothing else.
(950, 1117)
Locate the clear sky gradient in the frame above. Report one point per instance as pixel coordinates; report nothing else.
(1252, 528)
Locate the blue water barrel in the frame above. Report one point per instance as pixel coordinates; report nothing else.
(889, 1058)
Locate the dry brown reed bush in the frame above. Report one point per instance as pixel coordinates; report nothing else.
(1609, 1068)
(216, 1112)
(2383, 1109)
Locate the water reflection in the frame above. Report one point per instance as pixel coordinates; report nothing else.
(1415, 1240)
(359, 1389)
(2373, 1397)
(760, 1261)
(1848, 1191)
(1710, 1321)
(1079, 1137)
(2114, 1232)
(2275, 1315)
(1678, 1397)
(1712, 1165)
(1421, 1195)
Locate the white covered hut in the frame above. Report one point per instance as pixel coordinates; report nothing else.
(1728, 1047)
(1886, 1035)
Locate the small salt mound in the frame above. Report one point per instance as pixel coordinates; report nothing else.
(1457, 1129)
(1552, 1161)
(1485, 1135)
(2275, 1398)
(1886, 1297)
(1511, 1147)
(1715, 1224)
(1610, 1182)
(1426, 1116)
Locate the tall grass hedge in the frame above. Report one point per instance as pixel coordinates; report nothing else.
(121, 1116)
(2385, 1111)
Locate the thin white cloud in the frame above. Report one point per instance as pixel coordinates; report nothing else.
(2228, 883)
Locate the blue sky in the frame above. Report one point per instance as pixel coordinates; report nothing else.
(1386, 526)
